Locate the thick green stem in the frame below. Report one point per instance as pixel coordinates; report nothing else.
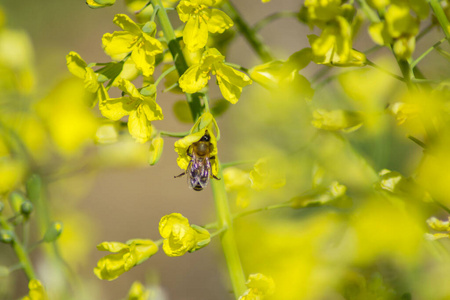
(250, 35)
(227, 238)
(21, 253)
(177, 54)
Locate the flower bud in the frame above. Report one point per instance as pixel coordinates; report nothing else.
(34, 187)
(6, 236)
(26, 208)
(156, 149)
(53, 232)
(16, 199)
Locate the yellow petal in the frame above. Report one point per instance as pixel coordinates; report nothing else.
(139, 126)
(231, 82)
(193, 80)
(76, 64)
(116, 108)
(219, 21)
(118, 44)
(195, 33)
(124, 22)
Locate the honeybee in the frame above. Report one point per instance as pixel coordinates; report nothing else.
(199, 169)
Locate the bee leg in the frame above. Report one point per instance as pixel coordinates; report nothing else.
(214, 176)
(187, 151)
(184, 173)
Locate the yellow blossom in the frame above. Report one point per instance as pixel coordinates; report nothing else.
(37, 291)
(337, 120)
(334, 46)
(259, 286)
(140, 109)
(181, 237)
(125, 257)
(267, 173)
(230, 80)
(140, 42)
(200, 19)
(138, 292)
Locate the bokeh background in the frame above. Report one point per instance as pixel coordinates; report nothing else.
(120, 202)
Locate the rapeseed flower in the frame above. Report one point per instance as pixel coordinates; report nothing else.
(230, 80)
(136, 40)
(200, 19)
(181, 237)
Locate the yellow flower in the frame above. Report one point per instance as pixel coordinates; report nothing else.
(36, 292)
(267, 173)
(259, 286)
(201, 19)
(99, 3)
(140, 42)
(438, 225)
(334, 46)
(180, 237)
(141, 110)
(125, 257)
(205, 122)
(138, 292)
(339, 119)
(238, 181)
(70, 122)
(78, 67)
(230, 80)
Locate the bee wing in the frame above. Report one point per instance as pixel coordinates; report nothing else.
(198, 172)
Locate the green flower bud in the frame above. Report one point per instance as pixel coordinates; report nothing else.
(53, 232)
(16, 199)
(6, 236)
(26, 208)
(34, 187)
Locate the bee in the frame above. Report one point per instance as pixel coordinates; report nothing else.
(199, 169)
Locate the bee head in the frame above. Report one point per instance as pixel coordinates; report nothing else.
(205, 137)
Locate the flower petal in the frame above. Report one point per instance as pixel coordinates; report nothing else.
(231, 82)
(195, 33)
(219, 21)
(118, 44)
(116, 108)
(139, 126)
(193, 80)
(124, 22)
(76, 65)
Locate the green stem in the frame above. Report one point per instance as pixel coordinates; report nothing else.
(174, 134)
(414, 63)
(236, 163)
(217, 232)
(250, 212)
(178, 57)
(250, 35)
(440, 15)
(369, 12)
(228, 240)
(21, 253)
(164, 74)
(270, 18)
(372, 64)
(236, 66)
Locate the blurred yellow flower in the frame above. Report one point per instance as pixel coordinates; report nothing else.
(230, 80)
(70, 122)
(238, 181)
(125, 257)
(140, 42)
(339, 119)
(334, 45)
(99, 3)
(156, 148)
(200, 19)
(438, 225)
(37, 291)
(138, 292)
(180, 237)
(259, 286)
(267, 173)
